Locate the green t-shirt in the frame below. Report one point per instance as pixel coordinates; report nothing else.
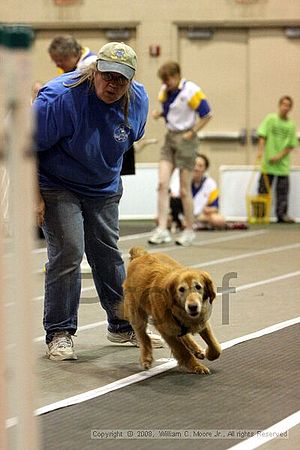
(279, 134)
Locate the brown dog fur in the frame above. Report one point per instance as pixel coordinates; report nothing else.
(179, 300)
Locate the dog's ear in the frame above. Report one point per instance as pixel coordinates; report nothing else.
(209, 290)
(171, 286)
(136, 252)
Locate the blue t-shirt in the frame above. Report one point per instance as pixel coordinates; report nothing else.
(81, 140)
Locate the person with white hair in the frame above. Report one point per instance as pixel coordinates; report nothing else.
(85, 122)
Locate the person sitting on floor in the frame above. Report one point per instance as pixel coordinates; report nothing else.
(205, 200)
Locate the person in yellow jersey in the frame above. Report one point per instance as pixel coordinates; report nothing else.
(186, 111)
(68, 54)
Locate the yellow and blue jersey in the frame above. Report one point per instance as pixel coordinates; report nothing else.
(207, 194)
(181, 107)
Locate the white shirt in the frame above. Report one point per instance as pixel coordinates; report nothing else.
(183, 110)
(206, 196)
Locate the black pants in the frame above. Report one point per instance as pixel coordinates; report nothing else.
(176, 209)
(128, 167)
(281, 192)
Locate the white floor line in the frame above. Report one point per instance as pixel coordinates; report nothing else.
(230, 258)
(233, 237)
(85, 289)
(248, 255)
(41, 297)
(127, 381)
(129, 237)
(86, 270)
(208, 263)
(211, 263)
(239, 288)
(260, 333)
(268, 280)
(238, 235)
(39, 250)
(269, 433)
(89, 326)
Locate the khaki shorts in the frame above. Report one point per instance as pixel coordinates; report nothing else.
(178, 151)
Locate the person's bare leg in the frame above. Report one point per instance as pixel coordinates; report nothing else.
(166, 169)
(186, 197)
(217, 220)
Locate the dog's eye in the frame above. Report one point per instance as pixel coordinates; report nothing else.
(198, 287)
(181, 289)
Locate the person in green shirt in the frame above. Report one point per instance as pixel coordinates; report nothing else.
(277, 138)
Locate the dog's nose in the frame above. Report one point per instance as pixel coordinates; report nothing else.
(193, 308)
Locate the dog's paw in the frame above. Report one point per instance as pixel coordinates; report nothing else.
(200, 354)
(213, 353)
(147, 363)
(195, 368)
(200, 368)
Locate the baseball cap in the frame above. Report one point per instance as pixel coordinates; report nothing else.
(117, 57)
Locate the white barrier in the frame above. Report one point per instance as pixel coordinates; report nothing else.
(139, 199)
(233, 188)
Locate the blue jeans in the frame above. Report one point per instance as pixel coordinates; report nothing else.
(75, 224)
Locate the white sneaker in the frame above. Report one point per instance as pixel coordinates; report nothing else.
(61, 347)
(160, 236)
(130, 337)
(186, 238)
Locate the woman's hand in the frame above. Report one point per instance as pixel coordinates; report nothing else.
(156, 114)
(275, 159)
(189, 135)
(40, 210)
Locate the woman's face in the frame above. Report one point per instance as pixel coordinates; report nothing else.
(65, 63)
(199, 168)
(110, 91)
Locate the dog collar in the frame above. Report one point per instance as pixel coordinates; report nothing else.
(183, 328)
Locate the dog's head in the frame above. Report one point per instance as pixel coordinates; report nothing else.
(194, 292)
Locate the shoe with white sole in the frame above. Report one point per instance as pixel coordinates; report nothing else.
(186, 238)
(160, 236)
(130, 337)
(285, 219)
(61, 347)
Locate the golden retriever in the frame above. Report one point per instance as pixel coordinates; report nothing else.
(179, 301)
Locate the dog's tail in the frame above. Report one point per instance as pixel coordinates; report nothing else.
(136, 252)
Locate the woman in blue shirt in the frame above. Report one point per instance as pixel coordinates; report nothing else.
(86, 121)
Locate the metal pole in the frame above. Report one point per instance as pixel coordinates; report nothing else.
(3, 404)
(18, 41)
